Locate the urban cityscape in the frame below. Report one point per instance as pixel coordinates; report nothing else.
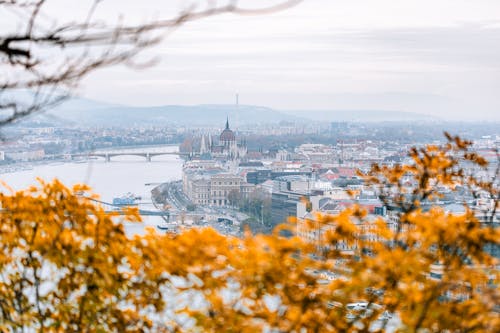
(249, 166)
(257, 177)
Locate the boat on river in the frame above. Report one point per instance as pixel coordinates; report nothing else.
(168, 226)
(127, 200)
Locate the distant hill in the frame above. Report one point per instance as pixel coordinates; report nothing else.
(351, 108)
(94, 113)
(363, 115)
(197, 115)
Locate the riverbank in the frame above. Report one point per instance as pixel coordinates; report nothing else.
(224, 219)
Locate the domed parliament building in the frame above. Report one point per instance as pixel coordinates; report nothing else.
(227, 148)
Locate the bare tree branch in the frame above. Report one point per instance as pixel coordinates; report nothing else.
(49, 60)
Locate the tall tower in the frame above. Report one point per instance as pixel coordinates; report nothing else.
(203, 145)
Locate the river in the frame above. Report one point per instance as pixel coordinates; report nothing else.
(109, 179)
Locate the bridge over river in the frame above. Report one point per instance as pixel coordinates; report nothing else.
(147, 155)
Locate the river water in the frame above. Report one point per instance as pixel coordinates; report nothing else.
(122, 175)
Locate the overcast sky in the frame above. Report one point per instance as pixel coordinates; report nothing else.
(440, 57)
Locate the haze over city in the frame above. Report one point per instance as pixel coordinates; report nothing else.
(440, 58)
(250, 166)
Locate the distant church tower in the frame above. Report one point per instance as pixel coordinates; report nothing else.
(227, 137)
(203, 145)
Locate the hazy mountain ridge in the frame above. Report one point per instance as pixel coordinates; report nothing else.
(177, 114)
(364, 115)
(93, 113)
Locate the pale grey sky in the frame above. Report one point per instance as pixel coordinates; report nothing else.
(440, 57)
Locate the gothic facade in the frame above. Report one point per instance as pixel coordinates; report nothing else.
(227, 146)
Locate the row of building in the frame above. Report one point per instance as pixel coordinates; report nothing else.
(22, 155)
(214, 186)
(310, 173)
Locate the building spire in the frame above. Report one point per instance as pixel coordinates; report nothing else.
(203, 145)
(227, 122)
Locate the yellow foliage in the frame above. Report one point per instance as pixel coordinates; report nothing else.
(66, 265)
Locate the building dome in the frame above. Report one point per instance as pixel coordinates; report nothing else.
(227, 134)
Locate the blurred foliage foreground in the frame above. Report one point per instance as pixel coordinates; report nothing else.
(66, 265)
